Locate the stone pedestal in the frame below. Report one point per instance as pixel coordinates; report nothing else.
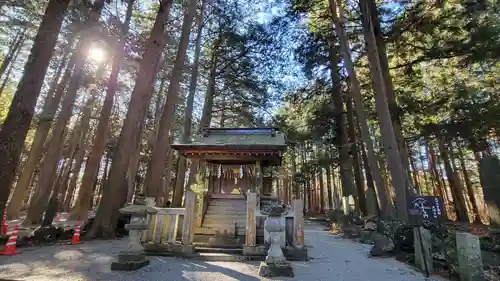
(133, 257)
(275, 270)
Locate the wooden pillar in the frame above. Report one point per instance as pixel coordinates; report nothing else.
(258, 180)
(199, 208)
(298, 223)
(189, 218)
(250, 233)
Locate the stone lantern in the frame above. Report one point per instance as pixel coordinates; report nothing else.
(276, 264)
(134, 257)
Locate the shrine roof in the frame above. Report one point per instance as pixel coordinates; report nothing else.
(234, 138)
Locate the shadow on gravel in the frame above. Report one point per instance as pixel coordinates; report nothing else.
(91, 261)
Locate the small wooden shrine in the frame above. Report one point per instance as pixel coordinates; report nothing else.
(234, 183)
(236, 159)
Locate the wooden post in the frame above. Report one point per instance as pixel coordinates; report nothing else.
(298, 223)
(258, 183)
(250, 234)
(199, 208)
(189, 217)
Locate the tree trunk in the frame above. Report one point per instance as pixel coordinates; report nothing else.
(470, 189)
(206, 114)
(329, 187)
(321, 191)
(83, 139)
(386, 209)
(14, 49)
(51, 211)
(295, 186)
(54, 95)
(342, 139)
(456, 188)
(399, 173)
(107, 214)
(156, 169)
(358, 176)
(188, 115)
(371, 195)
(370, 7)
(51, 158)
(82, 203)
(18, 120)
(414, 173)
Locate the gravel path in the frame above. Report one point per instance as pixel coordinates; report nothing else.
(332, 259)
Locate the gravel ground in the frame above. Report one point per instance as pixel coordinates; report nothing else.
(332, 259)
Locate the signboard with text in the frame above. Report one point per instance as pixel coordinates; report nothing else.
(425, 208)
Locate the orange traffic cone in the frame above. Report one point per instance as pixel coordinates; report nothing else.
(76, 235)
(10, 247)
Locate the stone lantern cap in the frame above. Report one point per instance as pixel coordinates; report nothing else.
(138, 210)
(274, 211)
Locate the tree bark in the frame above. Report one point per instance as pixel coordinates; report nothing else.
(369, 9)
(83, 138)
(54, 95)
(386, 209)
(18, 120)
(358, 176)
(12, 59)
(156, 169)
(83, 201)
(329, 185)
(342, 139)
(399, 173)
(14, 49)
(295, 186)
(188, 115)
(456, 188)
(107, 214)
(470, 189)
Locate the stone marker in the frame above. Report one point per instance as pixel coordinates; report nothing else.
(470, 264)
(423, 250)
(134, 257)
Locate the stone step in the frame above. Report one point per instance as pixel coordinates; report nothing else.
(226, 221)
(225, 257)
(229, 227)
(215, 196)
(228, 206)
(221, 250)
(204, 233)
(224, 218)
(224, 212)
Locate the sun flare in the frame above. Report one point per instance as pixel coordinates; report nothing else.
(97, 54)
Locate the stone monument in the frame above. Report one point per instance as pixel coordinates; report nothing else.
(470, 263)
(423, 250)
(134, 257)
(275, 264)
(489, 174)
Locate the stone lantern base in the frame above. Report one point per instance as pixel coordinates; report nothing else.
(129, 262)
(281, 269)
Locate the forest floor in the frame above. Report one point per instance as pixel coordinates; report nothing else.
(332, 259)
